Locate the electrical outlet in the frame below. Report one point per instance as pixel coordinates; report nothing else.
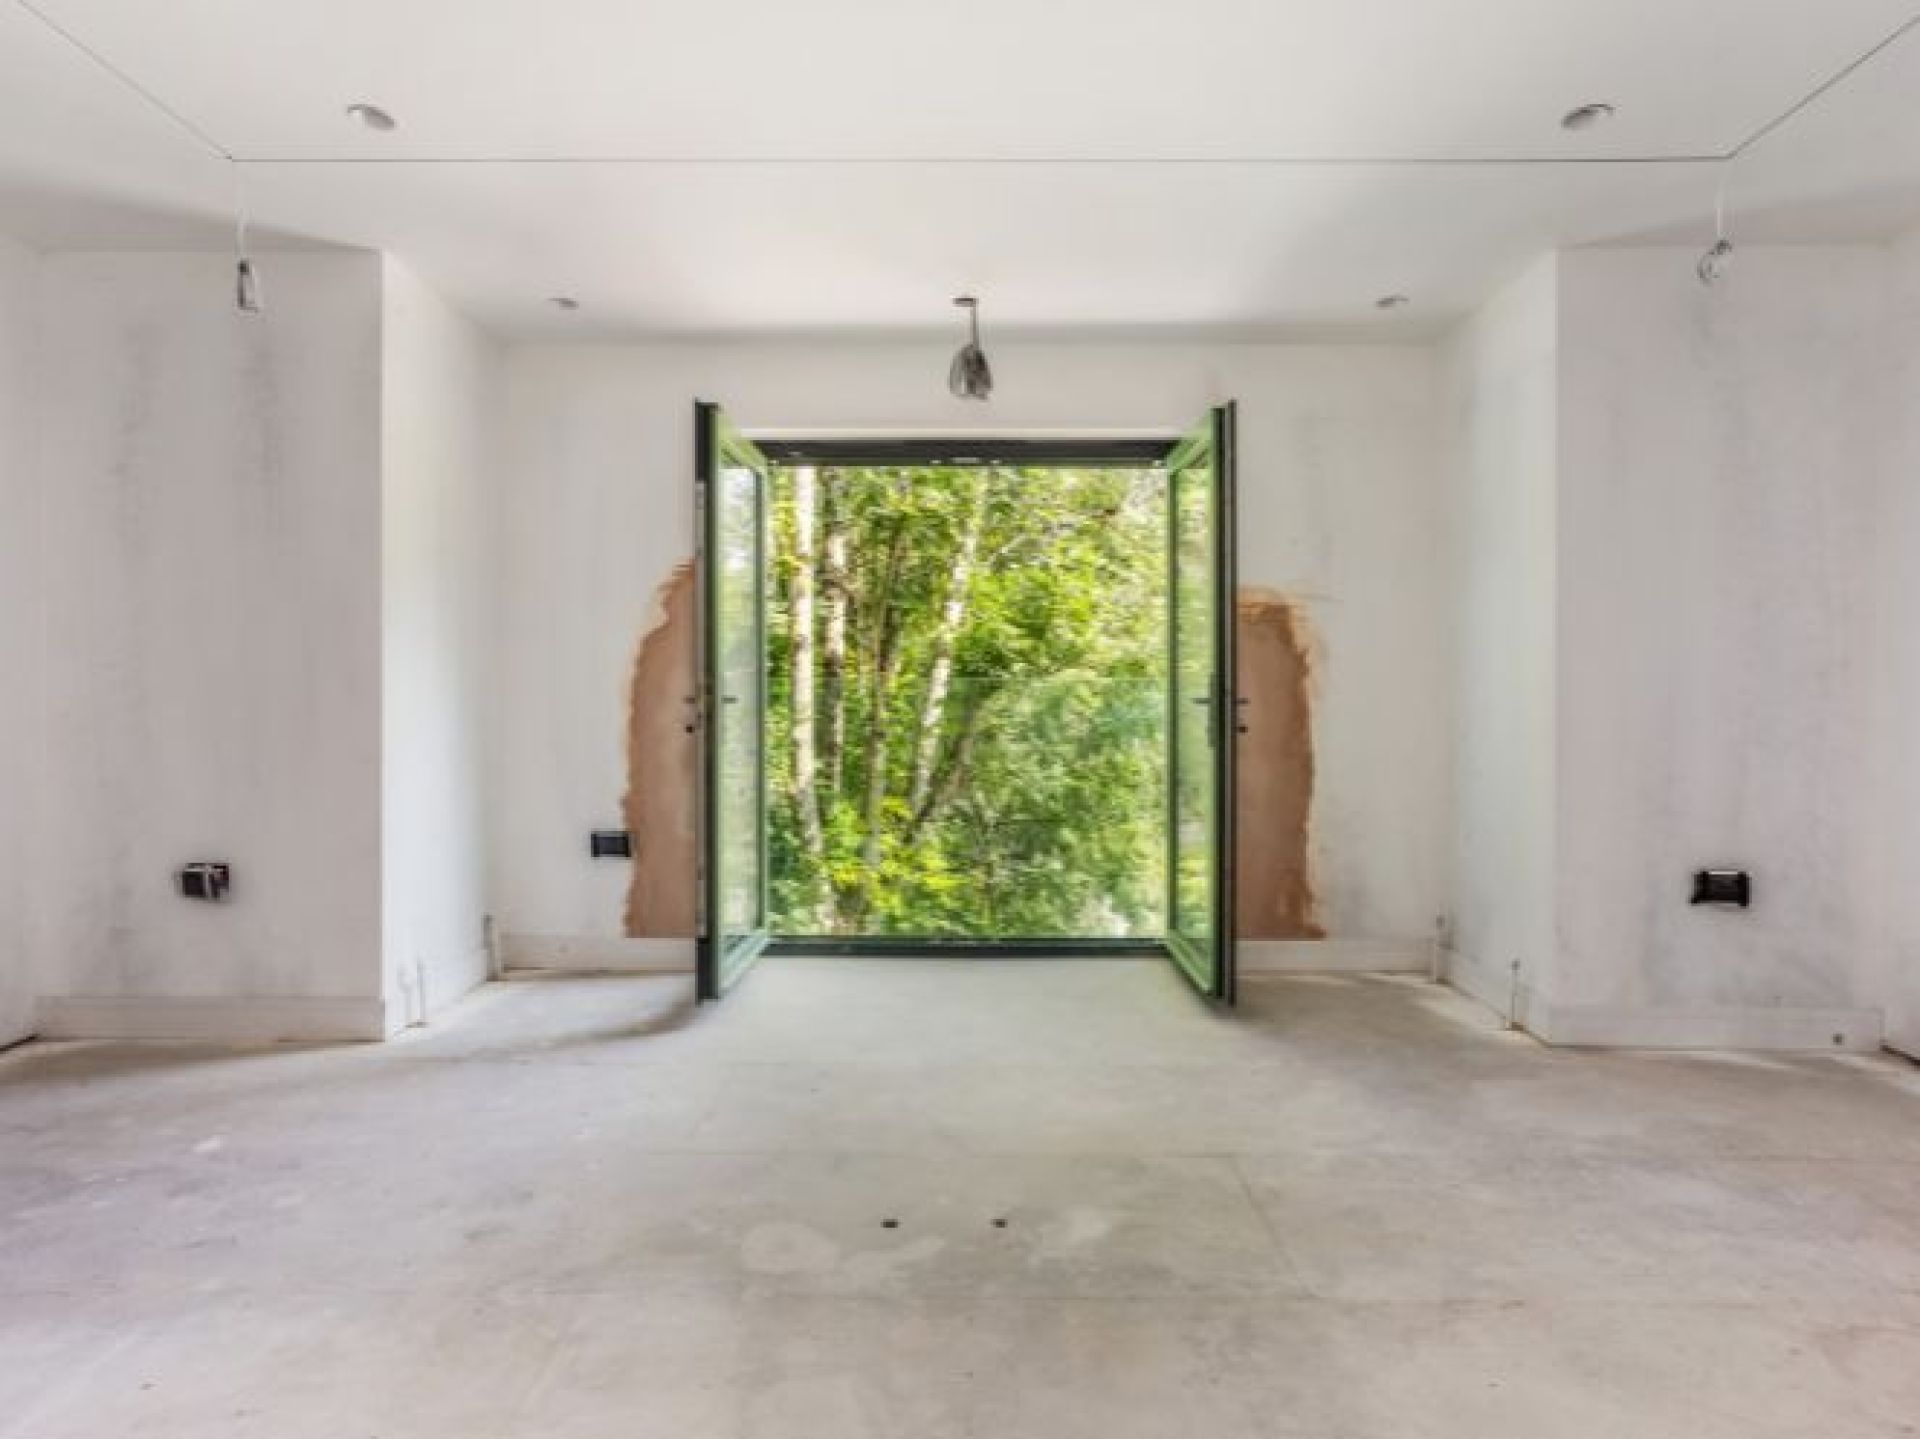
(205, 879)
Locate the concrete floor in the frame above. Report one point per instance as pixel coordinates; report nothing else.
(929, 1199)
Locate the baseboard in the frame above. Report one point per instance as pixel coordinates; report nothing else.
(593, 953)
(1493, 986)
(1721, 1027)
(1903, 1032)
(210, 1019)
(19, 1028)
(1599, 1026)
(586, 953)
(1334, 956)
(417, 994)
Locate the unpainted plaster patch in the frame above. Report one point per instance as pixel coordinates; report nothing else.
(1274, 781)
(1274, 774)
(662, 763)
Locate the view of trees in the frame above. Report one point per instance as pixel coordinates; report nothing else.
(967, 702)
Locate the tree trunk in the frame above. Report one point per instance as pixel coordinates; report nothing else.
(951, 772)
(833, 639)
(953, 616)
(886, 659)
(806, 797)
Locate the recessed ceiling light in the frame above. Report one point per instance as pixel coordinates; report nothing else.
(1585, 117)
(563, 302)
(1392, 302)
(372, 116)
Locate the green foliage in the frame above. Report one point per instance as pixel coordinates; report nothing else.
(1039, 808)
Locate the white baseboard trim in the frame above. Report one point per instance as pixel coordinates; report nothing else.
(1493, 986)
(1334, 956)
(1831, 1031)
(587, 954)
(590, 953)
(417, 994)
(1902, 1026)
(1600, 1026)
(211, 1019)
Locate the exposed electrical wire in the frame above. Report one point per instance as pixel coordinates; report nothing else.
(1718, 257)
(1711, 268)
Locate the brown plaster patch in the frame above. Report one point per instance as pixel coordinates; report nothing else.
(662, 765)
(1274, 770)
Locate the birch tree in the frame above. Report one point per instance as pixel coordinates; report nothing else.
(953, 614)
(805, 794)
(833, 649)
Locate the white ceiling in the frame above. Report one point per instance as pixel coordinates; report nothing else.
(760, 166)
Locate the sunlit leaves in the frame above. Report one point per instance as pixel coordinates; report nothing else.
(1050, 801)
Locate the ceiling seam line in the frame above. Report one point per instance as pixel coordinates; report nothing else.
(1825, 87)
(200, 136)
(222, 152)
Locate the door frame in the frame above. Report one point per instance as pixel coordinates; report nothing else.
(717, 965)
(1119, 451)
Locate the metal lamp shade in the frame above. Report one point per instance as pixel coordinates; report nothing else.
(970, 377)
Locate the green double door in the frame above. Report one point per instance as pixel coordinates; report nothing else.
(732, 485)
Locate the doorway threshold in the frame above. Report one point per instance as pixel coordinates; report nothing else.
(862, 946)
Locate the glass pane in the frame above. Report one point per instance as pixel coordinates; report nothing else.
(740, 701)
(1194, 917)
(967, 713)
(1042, 816)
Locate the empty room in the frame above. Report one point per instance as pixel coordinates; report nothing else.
(912, 720)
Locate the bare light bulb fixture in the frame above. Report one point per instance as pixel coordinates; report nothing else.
(247, 297)
(371, 116)
(1586, 117)
(1717, 259)
(970, 377)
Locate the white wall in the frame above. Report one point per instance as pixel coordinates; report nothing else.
(212, 521)
(1679, 579)
(1722, 460)
(1341, 503)
(1893, 853)
(1501, 384)
(21, 693)
(438, 397)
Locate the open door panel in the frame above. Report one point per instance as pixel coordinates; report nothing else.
(1201, 724)
(730, 490)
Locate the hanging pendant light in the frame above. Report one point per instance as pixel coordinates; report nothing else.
(1718, 257)
(970, 377)
(246, 287)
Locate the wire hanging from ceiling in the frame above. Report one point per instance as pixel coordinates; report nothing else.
(1717, 258)
(1711, 267)
(247, 295)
